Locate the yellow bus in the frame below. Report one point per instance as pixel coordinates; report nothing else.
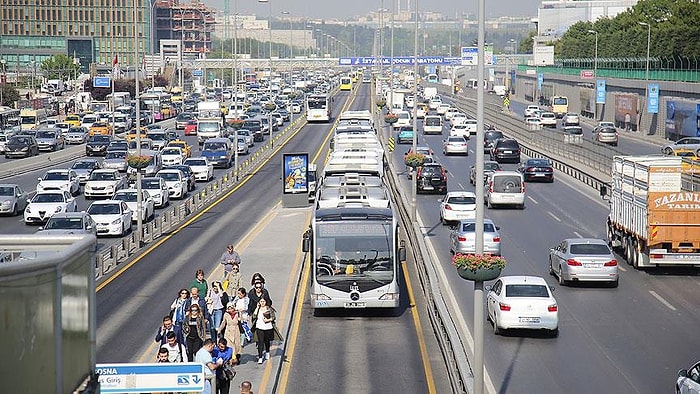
(32, 118)
(560, 106)
(345, 83)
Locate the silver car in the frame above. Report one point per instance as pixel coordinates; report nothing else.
(463, 237)
(688, 143)
(84, 167)
(13, 199)
(69, 223)
(490, 167)
(455, 145)
(583, 259)
(688, 380)
(116, 159)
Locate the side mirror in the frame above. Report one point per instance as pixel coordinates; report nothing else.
(39, 179)
(41, 228)
(498, 227)
(306, 241)
(683, 373)
(488, 287)
(402, 251)
(604, 192)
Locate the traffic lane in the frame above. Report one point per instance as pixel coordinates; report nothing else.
(143, 293)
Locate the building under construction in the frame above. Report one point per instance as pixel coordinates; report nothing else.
(191, 23)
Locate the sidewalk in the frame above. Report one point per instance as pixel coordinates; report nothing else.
(275, 252)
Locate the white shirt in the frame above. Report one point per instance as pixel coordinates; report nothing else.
(174, 352)
(261, 324)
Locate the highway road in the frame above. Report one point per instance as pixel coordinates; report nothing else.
(631, 339)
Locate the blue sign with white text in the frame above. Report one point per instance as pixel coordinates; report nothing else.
(101, 82)
(152, 377)
(653, 98)
(600, 91)
(540, 80)
(197, 73)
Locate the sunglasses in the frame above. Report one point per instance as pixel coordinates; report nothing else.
(184, 293)
(194, 310)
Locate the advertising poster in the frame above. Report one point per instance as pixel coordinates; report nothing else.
(626, 111)
(682, 119)
(294, 167)
(653, 98)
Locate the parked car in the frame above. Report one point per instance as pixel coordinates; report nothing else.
(505, 188)
(455, 145)
(457, 205)
(111, 217)
(463, 237)
(158, 189)
(97, 145)
(84, 167)
(46, 203)
(116, 160)
(431, 177)
(50, 140)
(130, 197)
(583, 259)
(21, 146)
(537, 169)
(104, 183)
(505, 149)
(202, 168)
(59, 179)
(522, 302)
(69, 223)
(490, 167)
(13, 199)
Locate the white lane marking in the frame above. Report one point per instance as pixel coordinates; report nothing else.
(554, 216)
(532, 199)
(577, 234)
(460, 185)
(662, 300)
(621, 268)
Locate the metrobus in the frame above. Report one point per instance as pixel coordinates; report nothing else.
(345, 83)
(318, 108)
(559, 105)
(432, 78)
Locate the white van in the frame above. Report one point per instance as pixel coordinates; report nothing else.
(432, 124)
(505, 188)
(404, 119)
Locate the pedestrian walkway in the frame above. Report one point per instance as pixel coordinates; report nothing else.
(275, 252)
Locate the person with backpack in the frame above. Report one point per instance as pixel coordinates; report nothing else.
(177, 352)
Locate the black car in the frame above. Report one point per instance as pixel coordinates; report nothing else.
(255, 127)
(505, 149)
(21, 146)
(489, 137)
(537, 170)
(431, 177)
(97, 145)
(285, 114)
(189, 174)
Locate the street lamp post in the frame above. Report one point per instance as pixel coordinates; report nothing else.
(269, 78)
(595, 73)
(3, 79)
(291, 50)
(139, 197)
(646, 75)
(414, 142)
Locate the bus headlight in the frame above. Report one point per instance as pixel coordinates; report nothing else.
(320, 297)
(389, 297)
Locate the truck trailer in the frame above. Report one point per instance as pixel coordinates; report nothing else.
(209, 121)
(654, 217)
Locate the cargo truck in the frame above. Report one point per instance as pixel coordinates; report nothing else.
(654, 217)
(209, 121)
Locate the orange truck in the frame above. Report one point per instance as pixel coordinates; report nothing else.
(654, 217)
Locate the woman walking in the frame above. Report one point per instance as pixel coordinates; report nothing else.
(178, 309)
(231, 332)
(265, 329)
(195, 330)
(215, 298)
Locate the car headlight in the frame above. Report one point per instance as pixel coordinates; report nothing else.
(28, 209)
(110, 187)
(24, 148)
(117, 221)
(58, 209)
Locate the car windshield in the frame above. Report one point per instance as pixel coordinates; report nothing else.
(470, 227)
(171, 151)
(100, 138)
(19, 140)
(169, 176)
(78, 130)
(56, 176)
(196, 163)
(116, 154)
(493, 136)
(157, 136)
(538, 162)
(461, 200)
(594, 249)
(456, 139)
(102, 176)
(64, 224)
(48, 197)
(527, 291)
(83, 165)
(103, 209)
(7, 191)
(150, 184)
(126, 196)
(508, 144)
(491, 166)
(214, 146)
(45, 134)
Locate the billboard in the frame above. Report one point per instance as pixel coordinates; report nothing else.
(587, 97)
(682, 119)
(543, 55)
(653, 98)
(626, 110)
(294, 173)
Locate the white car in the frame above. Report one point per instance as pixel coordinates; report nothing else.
(461, 130)
(456, 206)
(442, 108)
(111, 217)
(450, 113)
(175, 181)
(130, 196)
(59, 179)
(420, 112)
(571, 119)
(455, 145)
(104, 183)
(458, 117)
(548, 119)
(522, 302)
(202, 168)
(172, 155)
(471, 126)
(530, 110)
(46, 203)
(156, 187)
(688, 380)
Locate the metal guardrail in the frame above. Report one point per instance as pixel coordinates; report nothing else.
(14, 168)
(109, 258)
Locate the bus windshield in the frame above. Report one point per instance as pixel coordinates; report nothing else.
(317, 103)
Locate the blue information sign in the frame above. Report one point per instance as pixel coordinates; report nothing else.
(653, 98)
(197, 73)
(600, 91)
(540, 80)
(470, 56)
(140, 378)
(101, 82)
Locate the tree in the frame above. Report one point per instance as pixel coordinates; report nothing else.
(525, 45)
(9, 95)
(59, 67)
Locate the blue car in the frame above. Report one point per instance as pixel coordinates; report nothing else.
(404, 135)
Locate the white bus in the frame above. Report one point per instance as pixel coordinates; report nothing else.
(32, 118)
(318, 108)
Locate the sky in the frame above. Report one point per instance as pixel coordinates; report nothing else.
(342, 10)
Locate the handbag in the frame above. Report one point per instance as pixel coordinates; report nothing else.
(246, 331)
(227, 371)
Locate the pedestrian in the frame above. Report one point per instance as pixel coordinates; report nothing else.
(234, 279)
(255, 294)
(166, 328)
(246, 387)
(215, 304)
(628, 121)
(224, 353)
(177, 352)
(195, 299)
(178, 308)
(162, 355)
(195, 331)
(204, 357)
(199, 282)
(257, 277)
(241, 305)
(265, 330)
(230, 329)
(228, 259)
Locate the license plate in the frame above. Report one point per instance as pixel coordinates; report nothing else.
(355, 305)
(428, 188)
(540, 174)
(508, 197)
(529, 319)
(593, 265)
(507, 151)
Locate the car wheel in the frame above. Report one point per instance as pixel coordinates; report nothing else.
(14, 210)
(496, 329)
(554, 333)
(614, 284)
(561, 277)
(442, 220)
(551, 269)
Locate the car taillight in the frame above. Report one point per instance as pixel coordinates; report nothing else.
(552, 308)
(573, 263)
(461, 238)
(611, 263)
(531, 169)
(496, 239)
(522, 187)
(491, 187)
(448, 207)
(504, 307)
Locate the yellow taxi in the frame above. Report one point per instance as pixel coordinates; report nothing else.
(102, 128)
(178, 143)
(73, 120)
(224, 109)
(131, 134)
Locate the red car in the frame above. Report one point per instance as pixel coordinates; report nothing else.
(191, 127)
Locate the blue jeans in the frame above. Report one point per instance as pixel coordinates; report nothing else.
(216, 317)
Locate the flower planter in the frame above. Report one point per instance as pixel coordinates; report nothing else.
(391, 119)
(479, 275)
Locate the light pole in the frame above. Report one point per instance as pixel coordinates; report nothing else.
(291, 50)
(269, 78)
(646, 76)
(595, 73)
(139, 197)
(414, 146)
(2, 79)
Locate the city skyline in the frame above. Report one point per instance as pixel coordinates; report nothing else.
(329, 9)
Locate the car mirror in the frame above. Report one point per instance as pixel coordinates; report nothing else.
(683, 373)
(488, 287)
(41, 228)
(88, 227)
(498, 227)
(551, 288)
(39, 179)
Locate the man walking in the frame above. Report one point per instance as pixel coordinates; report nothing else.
(166, 328)
(228, 259)
(204, 357)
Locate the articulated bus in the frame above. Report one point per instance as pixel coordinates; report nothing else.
(318, 108)
(345, 83)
